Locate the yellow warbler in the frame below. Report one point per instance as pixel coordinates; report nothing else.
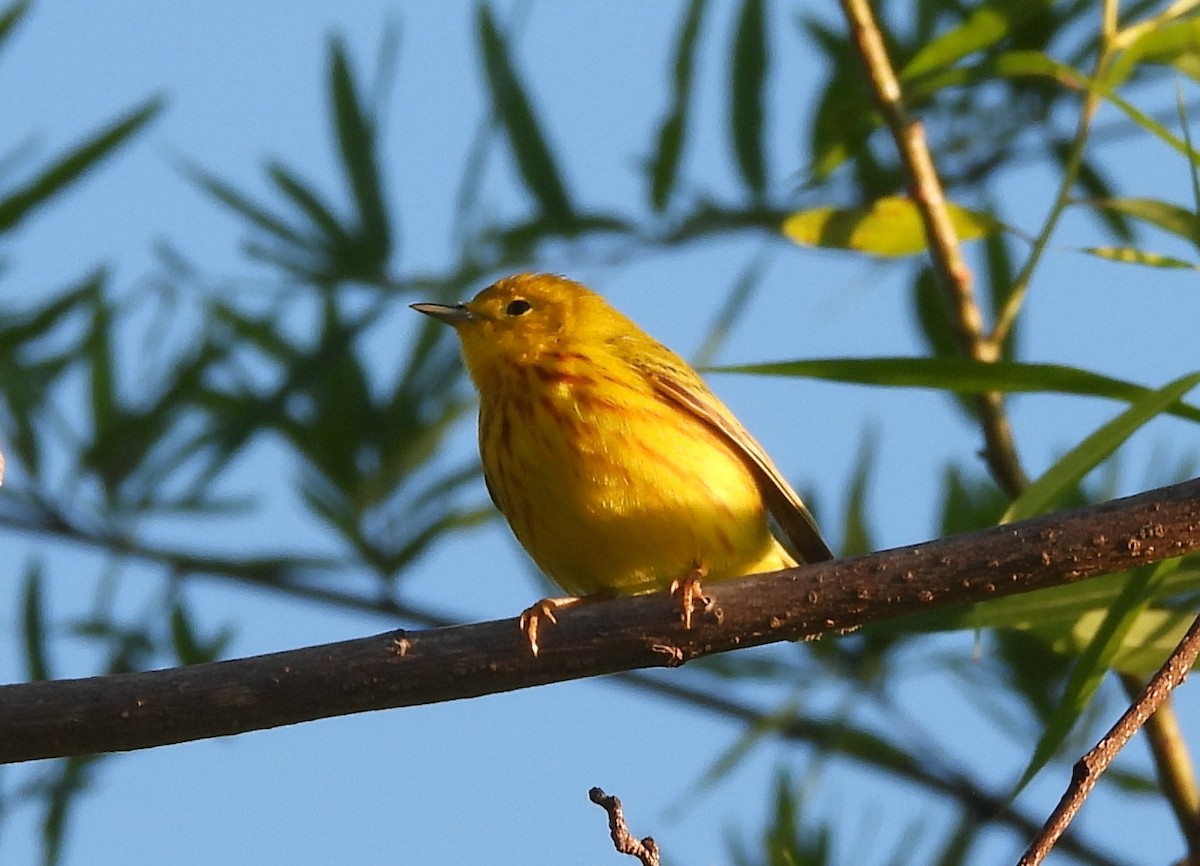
(616, 467)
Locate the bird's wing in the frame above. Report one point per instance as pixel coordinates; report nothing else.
(487, 482)
(679, 384)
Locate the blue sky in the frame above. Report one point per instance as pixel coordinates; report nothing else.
(504, 779)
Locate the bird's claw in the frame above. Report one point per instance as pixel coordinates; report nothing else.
(690, 591)
(532, 616)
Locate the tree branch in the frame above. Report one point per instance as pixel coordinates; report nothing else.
(1091, 766)
(945, 253)
(399, 668)
(1176, 770)
(625, 842)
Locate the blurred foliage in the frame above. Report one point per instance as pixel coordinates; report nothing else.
(112, 430)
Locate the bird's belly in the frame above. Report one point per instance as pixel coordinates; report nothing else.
(626, 502)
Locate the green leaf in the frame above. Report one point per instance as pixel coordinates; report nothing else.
(1085, 456)
(933, 316)
(1171, 218)
(357, 146)
(72, 165)
(1175, 44)
(1015, 64)
(664, 170)
(983, 27)
(309, 201)
(1001, 280)
(747, 93)
(736, 303)
(969, 502)
(1185, 125)
(190, 648)
(243, 205)
(62, 788)
(1094, 663)
(1150, 640)
(33, 625)
(964, 376)
(18, 330)
(1053, 612)
(1094, 186)
(1131, 256)
(512, 108)
(858, 538)
(845, 116)
(890, 226)
(11, 17)
(100, 361)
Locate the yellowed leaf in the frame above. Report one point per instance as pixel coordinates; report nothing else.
(890, 227)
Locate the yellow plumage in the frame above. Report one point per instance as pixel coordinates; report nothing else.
(617, 469)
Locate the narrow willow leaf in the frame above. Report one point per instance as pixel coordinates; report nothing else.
(1050, 613)
(1150, 640)
(190, 648)
(845, 115)
(1169, 217)
(1130, 256)
(933, 314)
(965, 377)
(183, 636)
(1095, 186)
(982, 28)
(753, 735)
(535, 160)
(11, 17)
(243, 205)
(1094, 662)
(890, 226)
(735, 304)
(101, 389)
(309, 201)
(858, 538)
(1175, 44)
(747, 94)
(1034, 63)
(1194, 173)
(75, 163)
(844, 120)
(19, 329)
(33, 625)
(357, 147)
(664, 170)
(1085, 456)
(1001, 279)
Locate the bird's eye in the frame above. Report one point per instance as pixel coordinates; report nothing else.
(519, 307)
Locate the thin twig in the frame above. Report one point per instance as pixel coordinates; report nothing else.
(1007, 316)
(625, 842)
(1174, 765)
(951, 269)
(1089, 768)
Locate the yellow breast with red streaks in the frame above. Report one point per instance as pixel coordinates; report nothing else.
(610, 488)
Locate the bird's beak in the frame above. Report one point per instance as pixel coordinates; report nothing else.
(451, 315)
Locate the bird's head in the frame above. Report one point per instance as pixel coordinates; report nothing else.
(522, 318)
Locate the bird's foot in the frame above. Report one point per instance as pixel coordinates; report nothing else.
(690, 592)
(532, 616)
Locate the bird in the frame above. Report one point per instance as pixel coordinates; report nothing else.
(617, 469)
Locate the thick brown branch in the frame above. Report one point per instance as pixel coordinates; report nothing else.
(141, 710)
